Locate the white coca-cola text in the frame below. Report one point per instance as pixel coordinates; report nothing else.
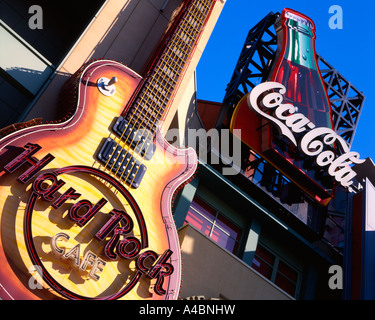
(312, 140)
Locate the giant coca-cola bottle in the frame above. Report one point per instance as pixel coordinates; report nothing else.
(297, 69)
(295, 66)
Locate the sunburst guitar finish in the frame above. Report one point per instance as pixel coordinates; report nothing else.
(85, 204)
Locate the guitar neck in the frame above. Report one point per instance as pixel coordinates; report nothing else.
(155, 92)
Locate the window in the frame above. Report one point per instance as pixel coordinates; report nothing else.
(277, 270)
(213, 224)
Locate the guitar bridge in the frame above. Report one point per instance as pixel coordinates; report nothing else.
(138, 139)
(120, 161)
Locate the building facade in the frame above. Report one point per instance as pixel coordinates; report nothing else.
(246, 230)
(258, 215)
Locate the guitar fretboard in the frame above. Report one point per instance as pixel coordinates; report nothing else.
(138, 126)
(158, 86)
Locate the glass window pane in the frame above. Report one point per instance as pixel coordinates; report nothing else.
(228, 227)
(204, 217)
(198, 221)
(285, 284)
(263, 261)
(223, 240)
(204, 209)
(265, 255)
(287, 271)
(286, 277)
(262, 267)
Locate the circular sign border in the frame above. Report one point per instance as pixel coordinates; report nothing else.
(35, 258)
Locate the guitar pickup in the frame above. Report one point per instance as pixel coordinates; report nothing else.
(136, 138)
(122, 163)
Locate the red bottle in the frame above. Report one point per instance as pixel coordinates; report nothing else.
(297, 69)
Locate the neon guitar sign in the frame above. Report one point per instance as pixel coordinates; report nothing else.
(88, 200)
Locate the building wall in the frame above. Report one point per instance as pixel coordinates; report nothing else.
(28, 55)
(212, 272)
(128, 31)
(258, 227)
(123, 31)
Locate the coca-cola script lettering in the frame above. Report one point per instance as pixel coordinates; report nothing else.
(302, 133)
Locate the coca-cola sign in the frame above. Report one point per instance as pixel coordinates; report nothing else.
(266, 99)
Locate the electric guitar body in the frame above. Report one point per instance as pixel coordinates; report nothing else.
(85, 203)
(75, 143)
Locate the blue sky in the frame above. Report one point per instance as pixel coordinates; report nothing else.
(350, 50)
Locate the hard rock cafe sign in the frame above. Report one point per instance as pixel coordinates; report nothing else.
(65, 243)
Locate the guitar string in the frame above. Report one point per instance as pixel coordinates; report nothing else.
(138, 104)
(187, 16)
(121, 137)
(174, 45)
(168, 91)
(140, 99)
(188, 34)
(168, 83)
(151, 80)
(141, 106)
(192, 34)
